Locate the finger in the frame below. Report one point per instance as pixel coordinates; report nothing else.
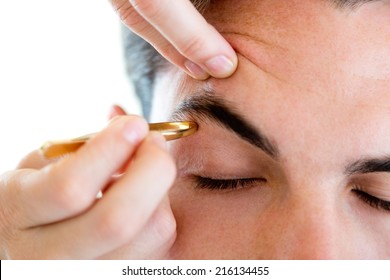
(34, 160)
(69, 187)
(116, 111)
(155, 239)
(144, 29)
(188, 59)
(12, 210)
(123, 211)
(196, 39)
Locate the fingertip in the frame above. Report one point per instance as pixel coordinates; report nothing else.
(115, 111)
(221, 66)
(135, 129)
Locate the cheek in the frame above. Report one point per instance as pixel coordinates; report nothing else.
(215, 225)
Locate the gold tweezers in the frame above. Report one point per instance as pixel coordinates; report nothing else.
(170, 130)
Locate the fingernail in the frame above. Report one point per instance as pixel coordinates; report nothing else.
(115, 110)
(196, 71)
(220, 66)
(135, 130)
(113, 113)
(157, 139)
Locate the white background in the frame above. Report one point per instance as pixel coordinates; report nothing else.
(61, 68)
(302, 270)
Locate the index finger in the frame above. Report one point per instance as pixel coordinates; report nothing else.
(70, 186)
(34, 160)
(196, 39)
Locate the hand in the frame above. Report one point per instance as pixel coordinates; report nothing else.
(49, 210)
(181, 35)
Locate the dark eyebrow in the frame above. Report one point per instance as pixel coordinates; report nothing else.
(207, 106)
(364, 166)
(351, 4)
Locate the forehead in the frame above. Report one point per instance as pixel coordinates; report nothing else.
(310, 45)
(314, 78)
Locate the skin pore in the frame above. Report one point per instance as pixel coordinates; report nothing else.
(314, 81)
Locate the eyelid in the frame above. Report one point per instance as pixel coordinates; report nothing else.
(375, 184)
(370, 199)
(227, 184)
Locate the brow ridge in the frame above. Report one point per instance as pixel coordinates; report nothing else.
(207, 106)
(369, 165)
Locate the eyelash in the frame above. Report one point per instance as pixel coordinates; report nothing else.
(372, 200)
(227, 184)
(234, 184)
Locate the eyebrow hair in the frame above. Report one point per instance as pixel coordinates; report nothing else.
(209, 107)
(364, 166)
(351, 4)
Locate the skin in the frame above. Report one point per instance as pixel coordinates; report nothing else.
(49, 209)
(315, 80)
(198, 48)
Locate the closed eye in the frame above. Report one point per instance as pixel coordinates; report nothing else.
(228, 184)
(372, 200)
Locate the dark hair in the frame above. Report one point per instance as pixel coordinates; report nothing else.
(143, 62)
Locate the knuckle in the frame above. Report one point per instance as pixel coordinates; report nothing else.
(131, 17)
(168, 51)
(112, 226)
(192, 45)
(70, 196)
(151, 9)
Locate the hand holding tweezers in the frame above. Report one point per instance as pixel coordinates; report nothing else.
(170, 130)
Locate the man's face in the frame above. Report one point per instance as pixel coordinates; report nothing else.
(301, 166)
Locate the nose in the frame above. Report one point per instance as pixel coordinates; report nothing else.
(311, 235)
(306, 229)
